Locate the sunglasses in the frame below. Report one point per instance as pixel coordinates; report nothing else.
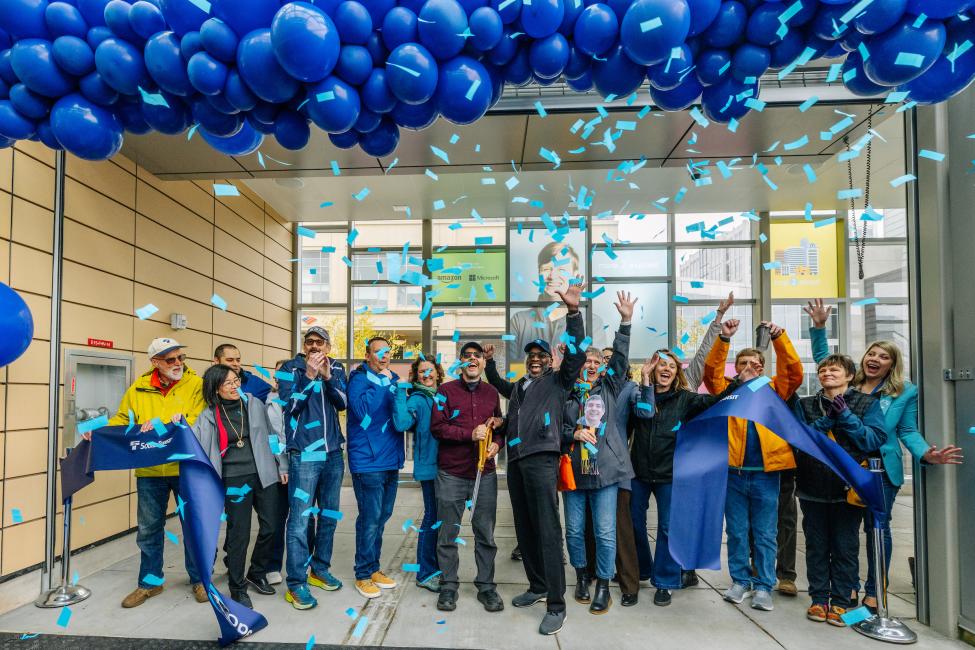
(539, 355)
(170, 361)
(471, 354)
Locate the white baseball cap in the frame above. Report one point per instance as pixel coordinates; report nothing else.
(159, 347)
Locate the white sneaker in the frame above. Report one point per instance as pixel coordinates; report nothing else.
(274, 578)
(737, 593)
(762, 600)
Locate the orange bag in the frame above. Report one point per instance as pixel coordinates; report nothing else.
(567, 479)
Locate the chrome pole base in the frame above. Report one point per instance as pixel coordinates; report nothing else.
(62, 596)
(889, 630)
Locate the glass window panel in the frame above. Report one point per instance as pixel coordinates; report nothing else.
(323, 273)
(629, 263)
(714, 272)
(388, 233)
(893, 224)
(335, 323)
(534, 253)
(689, 319)
(648, 228)
(884, 270)
(471, 233)
(650, 316)
(390, 311)
(530, 323)
(880, 322)
(467, 270)
(710, 226)
(484, 324)
(365, 266)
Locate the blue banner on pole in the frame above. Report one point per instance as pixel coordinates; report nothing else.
(701, 470)
(200, 504)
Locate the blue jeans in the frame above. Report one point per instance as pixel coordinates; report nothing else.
(664, 573)
(890, 493)
(153, 494)
(375, 493)
(322, 481)
(426, 545)
(602, 501)
(752, 505)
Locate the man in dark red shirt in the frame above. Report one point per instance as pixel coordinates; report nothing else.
(467, 409)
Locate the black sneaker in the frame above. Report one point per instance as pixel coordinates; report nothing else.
(491, 600)
(662, 597)
(689, 579)
(516, 554)
(552, 623)
(242, 598)
(447, 601)
(528, 599)
(629, 600)
(261, 586)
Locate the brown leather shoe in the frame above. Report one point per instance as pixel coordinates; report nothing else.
(140, 596)
(787, 588)
(200, 593)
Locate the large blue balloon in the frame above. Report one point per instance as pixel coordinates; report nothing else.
(577, 66)
(345, 140)
(244, 16)
(464, 90)
(411, 73)
(353, 21)
(787, 50)
(305, 41)
(596, 29)
(33, 61)
(542, 17)
(121, 65)
(855, 79)
(826, 23)
(879, 16)
(23, 18)
(95, 90)
(582, 83)
(573, 9)
(399, 26)
(668, 74)
(703, 13)
(237, 93)
(260, 70)
(750, 61)
(618, 74)
(219, 40)
(64, 19)
(333, 105)
(13, 125)
(486, 27)
(922, 44)
(93, 11)
(16, 325)
(173, 118)
(728, 26)
(85, 129)
(763, 24)
(725, 101)
(355, 64)
(146, 19)
(245, 142)
(946, 78)
(165, 65)
(29, 104)
(291, 130)
(939, 8)
(549, 55)
(376, 94)
(206, 74)
(117, 19)
(680, 97)
(713, 66)
(415, 116)
(442, 25)
(382, 140)
(73, 55)
(650, 29)
(182, 15)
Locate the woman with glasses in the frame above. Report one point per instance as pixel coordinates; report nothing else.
(412, 407)
(234, 431)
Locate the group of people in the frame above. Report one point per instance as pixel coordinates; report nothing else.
(575, 425)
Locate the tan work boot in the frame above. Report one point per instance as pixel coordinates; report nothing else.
(140, 596)
(787, 588)
(200, 593)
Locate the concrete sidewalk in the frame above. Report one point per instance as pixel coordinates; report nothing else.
(408, 617)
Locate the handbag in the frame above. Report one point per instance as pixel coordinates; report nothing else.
(567, 478)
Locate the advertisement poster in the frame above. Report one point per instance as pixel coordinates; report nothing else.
(466, 276)
(804, 260)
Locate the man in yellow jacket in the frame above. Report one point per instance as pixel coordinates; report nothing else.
(167, 392)
(755, 458)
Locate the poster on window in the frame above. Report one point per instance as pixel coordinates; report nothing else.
(469, 276)
(804, 260)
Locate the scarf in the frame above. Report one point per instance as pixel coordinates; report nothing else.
(429, 391)
(221, 428)
(581, 389)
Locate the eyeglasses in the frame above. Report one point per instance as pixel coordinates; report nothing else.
(232, 383)
(468, 354)
(538, 356)
(171, 361)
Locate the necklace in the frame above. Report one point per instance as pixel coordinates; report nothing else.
(239, 434)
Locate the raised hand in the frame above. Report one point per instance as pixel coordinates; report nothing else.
(818, 312)
(488, 352)
(730, 327)
(726, 304)
(774, 330)
(624, 305)
(950, 455)
(571, 297)
(837, 407)
(313, 364)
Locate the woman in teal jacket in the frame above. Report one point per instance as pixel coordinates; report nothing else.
(881, 373)
(412, 406)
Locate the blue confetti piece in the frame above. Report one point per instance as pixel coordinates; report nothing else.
(865, 302)
(755, 384)
(795, 144)
(305, 232)
(440, 153)
(16, 516)
(155, 581)
(204, 5)
(650, 25)
(460, 542)
(222, 189)
(301, 495)
(540, 109)
(351, 613)
(64, 618)
(909, 59)
(335, 168)
(146, 311)
(361, 194)
(326, 96)
(311, 642)
(411, 568)
(681, 299)
(332, 514)
(514, 441)
(854, 616)
(360, 627)
(91, 425)
(469, 95)
(901, 180)
(931, 155)
(172, 537)
(218, 302)
(825, 222)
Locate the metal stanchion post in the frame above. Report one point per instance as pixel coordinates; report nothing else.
(880, 626)
(65, 593)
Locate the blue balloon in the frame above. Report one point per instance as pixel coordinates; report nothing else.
(33, 61)
(24, 18)
(442, 23)
(29, 104)
(305, 40)
(510, 12)
(573, 9)
(338, 108)
(378, 9)
(260, 70)
(763, 24)
(518, 71)
(221, 103)
(95, 90)
(669, 74)
(73, 55)
(703, 13)
(345, 140)
(265, 112)
(824, 24)
(375, 93)
(16, 325)
(117, 19)
(470, 6)
(596, 30)
(244, 16)
(679, 97)
(880, 16)
(925, 43)
(63, 19)
(6, 69)
(549, 55)
(291, 130)
(46, 135)
(354, 65)
(382, 140)
(713, 66)
(399, 26)
(85, 129)
(618, 74)
(242, 143)
(165, 65)
(650, 29)
(582, 83)
(939, 9)
(98, 34)
(367, 121)
(353, 22)
(855, 79)
(130, 114)
(578, 65)
(787, 50)
(725, 101)
(464, 90)
(415, 116)
(182, 16)
(171, 119)
(728, 26)
(750, 61)
(377, 49)
(93, 11)
(542, 18)
(487, 28)
(206, 74)
(121, 65)
(190, 44)
(146, 19)
(237, 94)
(13, 125)
(942, 80)
(411, 73)
(504, 51)
(219, 40)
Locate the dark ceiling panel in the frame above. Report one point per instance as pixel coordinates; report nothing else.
(500, 137)
(173, 154)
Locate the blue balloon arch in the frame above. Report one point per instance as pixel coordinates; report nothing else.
(77, 74)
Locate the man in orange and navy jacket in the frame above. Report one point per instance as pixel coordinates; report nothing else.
(756, 456)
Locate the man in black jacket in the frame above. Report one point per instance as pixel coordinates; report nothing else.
(535, 407)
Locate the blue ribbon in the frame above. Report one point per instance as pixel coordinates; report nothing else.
(201, 501)
(701, 470)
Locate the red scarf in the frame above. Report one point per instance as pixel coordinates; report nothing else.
(222, 430)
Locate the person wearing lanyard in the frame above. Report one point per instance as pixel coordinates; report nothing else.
(235, 433)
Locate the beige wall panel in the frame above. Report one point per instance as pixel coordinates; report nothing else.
(227, 272)
(254, 197)
(245, 208)
(227, 325)
(93, 248)
(274, 315)
(154, 238)
(5, 201)
(4, 261)
(111, 180)
(36, 150)
(6, 169)
(236, 251)
(3, 444)
(27, 452)
(33, 180)
(81, 322)
(277, 295)
(197, 342)
(165, 275)
(100, 520)
(276, 337)
(32, 225)
(33, 366)
(40, 309)
(96, 288)
(240, 302)
(186, 192)
(23, 546)
(242, 229)
(30, 270)
(272, 355)
(198, 314)
(107, 485)
(124, 163)
(277, 274)
(26, 493)
(167, 212)
(250, 353)
(276, 216)
(28, 407)
(277, 232)
(98, 211)
(278, 253)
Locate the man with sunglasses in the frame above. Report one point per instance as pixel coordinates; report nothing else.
(468, 410)
(169, 391)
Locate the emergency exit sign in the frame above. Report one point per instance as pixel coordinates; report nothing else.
(101, 343)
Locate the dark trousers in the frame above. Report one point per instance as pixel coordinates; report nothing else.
(785, 561)
(532, 486)
(453, 493)
(627, 567)
(832, 533)
(426, 542)
(263, 501)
